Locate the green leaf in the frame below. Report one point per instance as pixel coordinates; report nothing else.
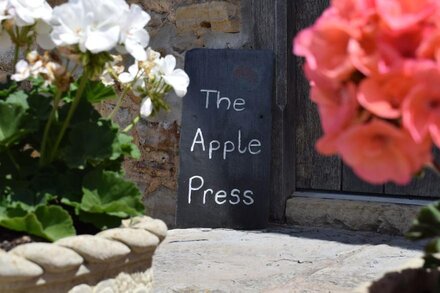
(427, 223)
(14, 123)
(96, 142)
(431, 262)
(96, 92)
(49, 222)
(89, 141)
(85, 112)
(109, 193)
(18, 98)
(56, 222)
(433, 246)
(124, 146)
(101, 221)
(40, 106)
(7, 88)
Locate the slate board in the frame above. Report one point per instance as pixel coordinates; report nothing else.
(232, 189)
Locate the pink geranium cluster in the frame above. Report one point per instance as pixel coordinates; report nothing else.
(374, 71)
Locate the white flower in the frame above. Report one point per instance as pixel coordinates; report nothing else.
(133, 71)
(27, 12)
(93, 25)
(112, 68)
(22, 71)
(43, 39)
(176, 78)
(136, 76)
(133, 34)
(4, 10)
(152, 55)
(146, 107)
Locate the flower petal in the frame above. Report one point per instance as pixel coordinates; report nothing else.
(146, 108)
(105, 40)
(179, 80)
(125, 77)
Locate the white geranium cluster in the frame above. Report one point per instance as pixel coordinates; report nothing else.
(154, 76)
(24, 13)
(101, 25)
(87, 32)
(94, 25)
(36, 65)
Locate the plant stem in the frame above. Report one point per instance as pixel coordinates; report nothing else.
(132, 124)
(124, 93)
(17, 46)
(118, 105)
(67, 64)
(72, 109)
(8, 152)
(434, 166)
(16, 54)
(75, 67)
(52, 116)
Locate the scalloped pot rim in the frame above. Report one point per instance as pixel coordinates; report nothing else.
(82, 259)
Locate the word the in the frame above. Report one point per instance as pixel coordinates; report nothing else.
(221, 197)
(238, 104)
(253, 147)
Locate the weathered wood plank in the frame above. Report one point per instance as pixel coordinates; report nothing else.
(270, 32)
(312, 170)
(427, 186)
(352, 183)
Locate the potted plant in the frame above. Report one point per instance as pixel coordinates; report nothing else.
(60, 159)
(373, 67)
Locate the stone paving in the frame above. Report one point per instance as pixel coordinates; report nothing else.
(279, 259)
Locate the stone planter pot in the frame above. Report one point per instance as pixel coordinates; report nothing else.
(412, 278)
(84, 260)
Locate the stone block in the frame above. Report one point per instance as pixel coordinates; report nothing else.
(218, 16)
(159, 6)
(387, 218)
(161, 204)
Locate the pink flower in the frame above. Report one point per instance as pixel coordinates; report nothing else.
(405, 14)
(421, 109)
(325, 47)
(364, 52)
(405, 44)
(327, 144)
(383, 94)
(374, 71)
(379, 50)
(357, 12)
(379, 152)
(337, 106)
(430, 46)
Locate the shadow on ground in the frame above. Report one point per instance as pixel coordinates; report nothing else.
(345, 236)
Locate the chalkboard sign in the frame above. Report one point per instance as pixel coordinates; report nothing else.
(225, 145)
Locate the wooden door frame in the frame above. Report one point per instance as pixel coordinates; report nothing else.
(269, 28)
(270, 23)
